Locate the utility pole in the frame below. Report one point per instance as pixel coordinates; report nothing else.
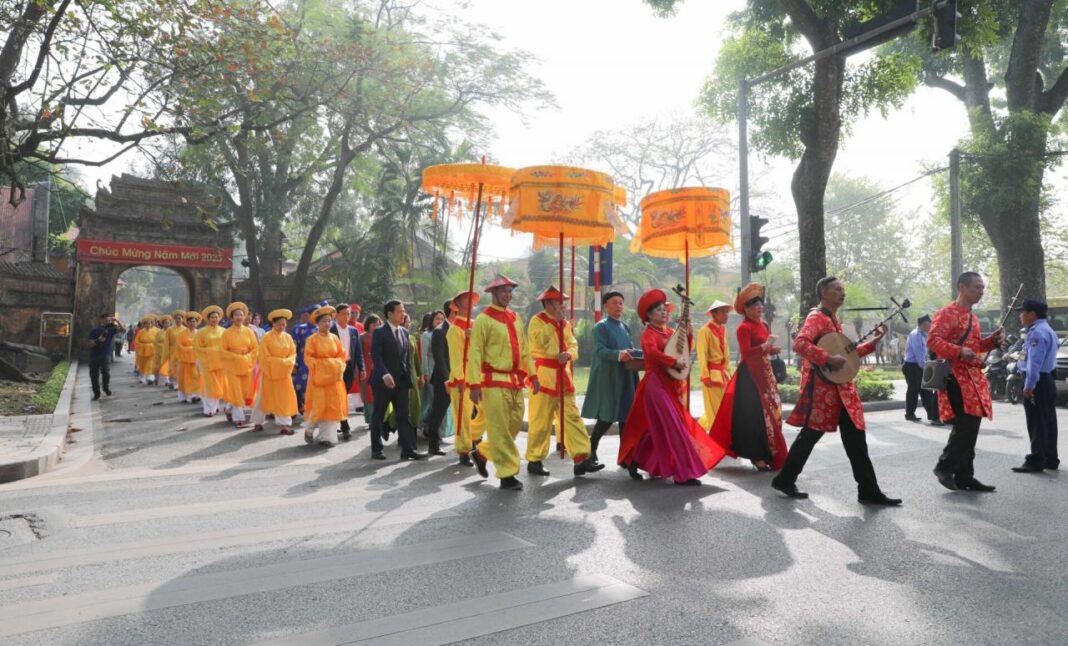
(956, 243)
(743, 177)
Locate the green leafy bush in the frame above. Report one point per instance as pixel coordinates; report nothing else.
(48, 394)
(872, 386)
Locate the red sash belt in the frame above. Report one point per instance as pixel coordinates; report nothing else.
(513, 380)
(569, 386)
(722, 365)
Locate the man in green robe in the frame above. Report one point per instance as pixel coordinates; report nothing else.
(610, 391)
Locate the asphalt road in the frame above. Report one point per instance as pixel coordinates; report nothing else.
(168, 528)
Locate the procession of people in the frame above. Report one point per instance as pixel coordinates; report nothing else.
(481, 372)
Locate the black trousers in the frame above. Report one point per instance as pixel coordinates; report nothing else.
(439, 405)
(600, 427)
(913, 378)
(397, 396)
(856, 448)
(959, 455)
(100, 374)
(347, 378)
(1041, 413)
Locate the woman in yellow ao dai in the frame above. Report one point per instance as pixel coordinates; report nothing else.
(325, 402)
(239, 350)
(208, 347)
(276, 395)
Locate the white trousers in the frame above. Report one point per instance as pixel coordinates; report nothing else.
(327, 431)
(211, 406)
(258, 417)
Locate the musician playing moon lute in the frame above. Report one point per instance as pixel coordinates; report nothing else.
(661, 437)
(824, 407)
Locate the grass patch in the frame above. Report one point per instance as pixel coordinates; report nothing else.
(48, 394)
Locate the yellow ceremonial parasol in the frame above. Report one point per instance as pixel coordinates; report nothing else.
(682, 223)
(475, 184)
(558, 203)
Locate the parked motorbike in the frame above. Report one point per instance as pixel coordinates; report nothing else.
(996, 369)
(1015, 380)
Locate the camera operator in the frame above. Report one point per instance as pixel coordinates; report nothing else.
(101, 346)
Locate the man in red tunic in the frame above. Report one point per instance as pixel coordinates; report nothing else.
(965, 401)
(825, 407)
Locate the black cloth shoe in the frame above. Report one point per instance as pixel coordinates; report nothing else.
(480, 463)
(465, 461)
(692, 482)
(879, 498)
(511, 483)
(974, 485)
(912, 418)
(412, 455)
(107, 392)
(96, 396)
(1052, 466)
(537, 468)
(1027, 467)
(790, 490)
(435, 449)
(378, 455)
(587, 466)
(946, 478)
(632, 469)
(936, 422)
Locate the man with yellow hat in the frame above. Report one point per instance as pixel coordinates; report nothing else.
(498, 366)
(208, 347)
(714, 357)
(239, 348)
(185, 358)
(145, 349)
(277, 357)
(554, 349)
(471, 421)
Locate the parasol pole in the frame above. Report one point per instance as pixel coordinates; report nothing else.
(561, 370)
(596, 283)
(689, 333)
(572, 283)
(470, 304)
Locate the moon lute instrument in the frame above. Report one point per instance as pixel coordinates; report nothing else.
(836, 343)
(678, 346)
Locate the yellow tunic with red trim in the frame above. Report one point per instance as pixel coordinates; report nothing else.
(145, 350)
(714, 356)
(498, 356)
(186, 360)
(278, 356)
(548, 338)
(239, 350)
(325, 399)
(208, 347)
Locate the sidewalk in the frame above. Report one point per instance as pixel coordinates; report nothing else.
(33, 444)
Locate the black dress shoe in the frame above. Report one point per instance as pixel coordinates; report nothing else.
(912, 418)
(587, 466)
(936, 422)
(632, 469)
(412, 455)
(480, 463)
(692, 482)
(435, 450)
(879, 499)
(946, 479)
(974, 485)
(1051, 466)
(107, 392)
(378, 455)
(511, 483)
(790, 490)
(96, 396)
(1027, 467)
(537, 468)
(465, 461)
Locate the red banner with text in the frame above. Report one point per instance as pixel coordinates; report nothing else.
(138, 253)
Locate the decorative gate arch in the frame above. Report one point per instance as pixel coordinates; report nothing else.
(149, 222)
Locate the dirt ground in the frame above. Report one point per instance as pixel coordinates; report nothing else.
(16, 396)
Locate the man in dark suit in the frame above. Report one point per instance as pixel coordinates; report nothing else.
(439, 378)
(354, 367)
(391, 381)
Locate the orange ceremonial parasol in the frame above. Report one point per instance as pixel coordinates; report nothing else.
(477, 185)
(558, 203)
(683, 223)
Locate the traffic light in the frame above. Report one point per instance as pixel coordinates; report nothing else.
(945, 25)
(758, 259)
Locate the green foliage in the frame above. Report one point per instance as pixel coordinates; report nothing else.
(47, 396)
(871, 385)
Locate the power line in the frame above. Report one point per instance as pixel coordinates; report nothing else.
(880, 194)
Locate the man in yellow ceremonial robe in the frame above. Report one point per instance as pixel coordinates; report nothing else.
(185, 358)
(163, 370)
(714, 357)
(208, 347)
(554, 349)
(172, 347)
(498, 353)
(145, 349)
(278, 356)
(240, 347)
(325, 400)
(471, 424)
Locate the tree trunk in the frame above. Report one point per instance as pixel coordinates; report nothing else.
(820, 133)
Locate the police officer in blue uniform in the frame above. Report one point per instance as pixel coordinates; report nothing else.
(1040, 391)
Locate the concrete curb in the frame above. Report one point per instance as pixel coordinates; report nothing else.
(46, 457)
